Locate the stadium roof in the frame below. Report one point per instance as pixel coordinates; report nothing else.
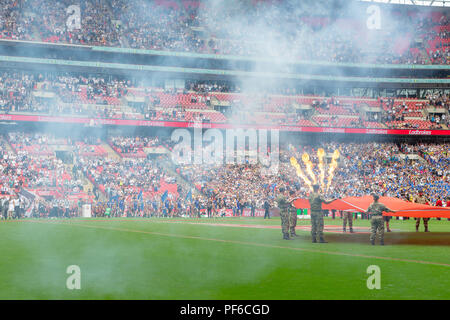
(430, 3)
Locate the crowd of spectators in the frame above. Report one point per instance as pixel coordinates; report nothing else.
(126, 98)
(97, 23)
(15, 91)
(127, 177)
(131, 186)
(364, 168)
(285, 31)
(30, 163)
(37, 163)
(377, 167)
(133, 144)
(14, 23)
(143, 186)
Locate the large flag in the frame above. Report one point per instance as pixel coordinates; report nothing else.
(164, 196)
(402, 208)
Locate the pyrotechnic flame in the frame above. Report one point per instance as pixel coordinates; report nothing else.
(300, 173)
(309, 166)
(333, 166)
(320, 155)
(336, 154)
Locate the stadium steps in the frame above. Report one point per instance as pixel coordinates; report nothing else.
(36, 33)
(315, 123)
(124, 42)
(424, 54)
(87, 185)
(124, 102)
(111, 153)
(168, 166)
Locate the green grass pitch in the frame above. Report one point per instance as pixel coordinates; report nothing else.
(162, 258)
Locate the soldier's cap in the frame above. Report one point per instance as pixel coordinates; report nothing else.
(315, 186)
(375, 196)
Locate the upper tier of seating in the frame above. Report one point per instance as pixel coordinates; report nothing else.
(256, 28)
(118, 99)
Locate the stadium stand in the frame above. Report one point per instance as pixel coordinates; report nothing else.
(191, 26)
(23, 93)
(131, 172)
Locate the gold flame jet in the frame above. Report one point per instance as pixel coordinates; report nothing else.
(309, 166)
(300, 173)
(333, 166)
(320, 155)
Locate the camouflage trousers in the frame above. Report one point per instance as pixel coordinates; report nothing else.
(292, 222)
(348, 216)
(425, 223)
(377, 225)
(284, 214)
(316, 225)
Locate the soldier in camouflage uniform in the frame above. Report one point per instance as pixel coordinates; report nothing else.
(421, 199)
(283, 205)
(376, 210)
(315, 202)
(347, 216)
(292, 215)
